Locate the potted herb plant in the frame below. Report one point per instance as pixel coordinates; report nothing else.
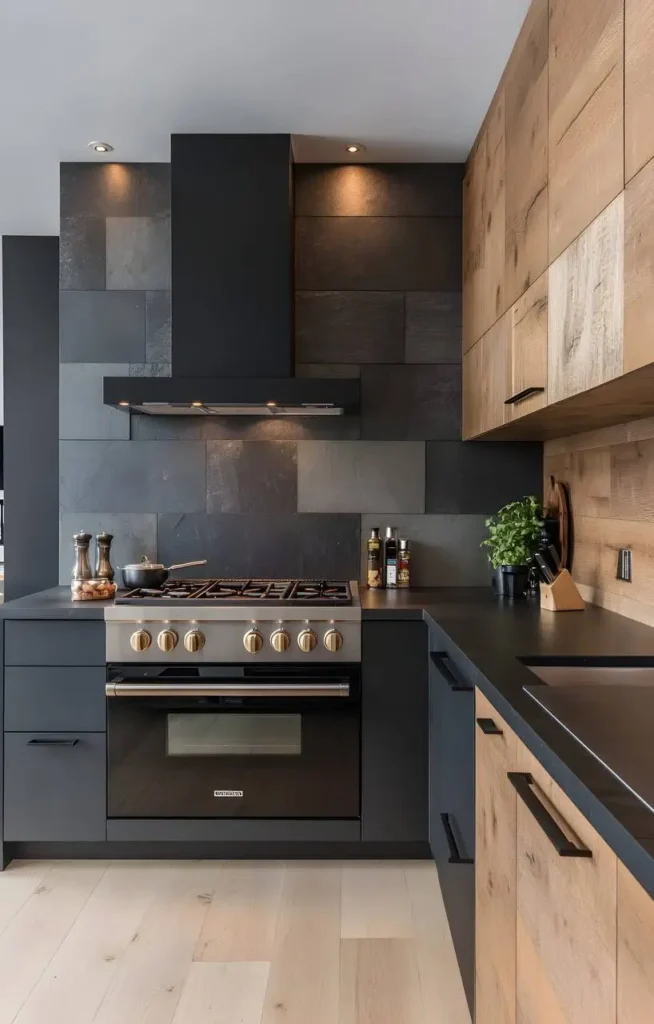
(513, 537)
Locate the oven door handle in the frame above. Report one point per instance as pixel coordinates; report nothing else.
(226, 690)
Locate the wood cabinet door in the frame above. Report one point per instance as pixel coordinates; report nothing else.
(487, 380)
(639, 85)
(495, 867)
(473, 243)
(471, 391)
(586, 114)
(639, 267)
(566, 914)
(586, 308)
(635, 951)
(528, 363)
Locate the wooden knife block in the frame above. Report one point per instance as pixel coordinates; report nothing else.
(562, 595)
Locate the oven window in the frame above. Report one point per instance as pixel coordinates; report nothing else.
(233, 735)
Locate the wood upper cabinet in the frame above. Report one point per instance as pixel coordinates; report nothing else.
(528, 364)
(473, 243)
(585, 311)
(586, 114)
(639, 85)
(639, 267)
(635, 951)
(486, 380)
(526, 132)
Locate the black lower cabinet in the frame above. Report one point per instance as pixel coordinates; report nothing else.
(55, 787)
(452, 805)
(394, 733)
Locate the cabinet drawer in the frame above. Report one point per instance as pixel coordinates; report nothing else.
(54, 699)
(55, 792)
(54, 642)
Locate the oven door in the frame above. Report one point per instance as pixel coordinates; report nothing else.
(233, 742)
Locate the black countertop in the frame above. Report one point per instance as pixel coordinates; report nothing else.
(55, 603)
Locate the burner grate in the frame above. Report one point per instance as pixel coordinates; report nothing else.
(245, 591)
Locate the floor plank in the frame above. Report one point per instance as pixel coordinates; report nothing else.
(17, 883)
(379, 982)
(375, 902)
(242, 919)
(229, 993)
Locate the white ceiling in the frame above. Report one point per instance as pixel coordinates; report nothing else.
(411, 79)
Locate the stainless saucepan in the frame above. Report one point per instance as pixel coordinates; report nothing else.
(151, 575)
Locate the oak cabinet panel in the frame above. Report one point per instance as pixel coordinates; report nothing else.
(639, 85)
(473, 243)
(639, 268)
(529, 349)
(635, 951)
(586, 114)
(471, 391)
(486, 380)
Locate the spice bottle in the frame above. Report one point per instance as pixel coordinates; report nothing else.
(374, 559)
(390, 559)
(404, 565)
(104, 569)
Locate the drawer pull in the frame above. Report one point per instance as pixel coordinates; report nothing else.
(522, 395)
(55, 742)
(455, 857)
(489, 727)
(453, 680)
(522, 783)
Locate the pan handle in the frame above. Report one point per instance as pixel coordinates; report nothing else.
(185, 565)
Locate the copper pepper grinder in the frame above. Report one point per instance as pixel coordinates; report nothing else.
(82, 568)
(104, 569)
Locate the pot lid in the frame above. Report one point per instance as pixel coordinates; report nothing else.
(145, 563)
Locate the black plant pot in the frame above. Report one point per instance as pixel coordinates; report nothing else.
(497, 582)
(515, 579)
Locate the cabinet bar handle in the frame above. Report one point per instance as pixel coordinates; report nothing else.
(227, 690)
(454, 681)
(47, 742)
(520, 397)
(522, 783)
(455, 857)
(489, 727)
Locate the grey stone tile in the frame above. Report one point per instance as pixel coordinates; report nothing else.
(101, 327)
(378, 190)
(115, 190)
(158, 327)
(445, 549)
(251, 476)
(150, 370)
(327, 370)
(357, 476)
(134, 535)
(349, 327)
(138, 253)
(245, 428)
(434, 331)
(480, 477)
(82, 414)
(378, 253)
(264, 545)
(82, 253)
(132, 476)
(415, 402)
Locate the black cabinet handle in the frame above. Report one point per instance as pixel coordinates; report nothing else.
(455, 857)
(520, 397)
(522, 783)
(453, 680)
(52, 742)
(488, 727)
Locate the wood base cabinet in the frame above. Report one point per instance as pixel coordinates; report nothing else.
(635, 951)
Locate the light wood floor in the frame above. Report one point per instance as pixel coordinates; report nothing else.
(222, 942)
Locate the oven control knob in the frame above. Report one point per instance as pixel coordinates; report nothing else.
(167, 640)
(253, 641)
(141, 640)
(280, 640)
(307, 640)
(194, 641)
(333, 640)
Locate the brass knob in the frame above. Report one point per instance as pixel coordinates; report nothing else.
(253, 641)
(141, 640)
(167, 640)
(333, 640)
(307, 640)
(280, 640)
(194, 641)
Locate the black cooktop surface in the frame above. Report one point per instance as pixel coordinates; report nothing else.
(218, 591)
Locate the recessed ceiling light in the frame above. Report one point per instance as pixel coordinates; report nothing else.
(197, 405)
(355, 147)
(123, 403)
(100, 147)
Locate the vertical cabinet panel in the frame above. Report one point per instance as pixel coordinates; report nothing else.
(586, 308)
(639, 85)
(471, 389)
(635, 951)
(639, 266)
(473, 243)
(529, 350)
(586, 114)
(487, 380)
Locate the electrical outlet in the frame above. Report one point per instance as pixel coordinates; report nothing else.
(624, 564)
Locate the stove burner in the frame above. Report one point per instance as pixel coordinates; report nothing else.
(242, 591)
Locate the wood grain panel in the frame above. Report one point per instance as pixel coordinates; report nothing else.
(597, 542)
(528, 361)
(493, 213)
(586, 308)
(586, 115)
(619, 433)
(639, 85)
(588, 476)
(639, 267)
(526, 207)
(473, 243)
(471, 391)
(635, 951)
(490, 382)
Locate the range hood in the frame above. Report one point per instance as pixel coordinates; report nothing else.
(232, 290)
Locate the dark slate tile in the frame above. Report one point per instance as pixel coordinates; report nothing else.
(360, 476)
(82, 412)
(341, 370)
(82, 251)
(245, 428)
(150, 370)
(135, 535)
(158, 327)
(115, 190)
(266, 545)
(378, 253)
(132, 476)
(102, 327)
(251, 476)
(480, 477)
(434, 332)
(138, 253)
(445, 550)
(349, 327)
(411, 402)
(378, 190)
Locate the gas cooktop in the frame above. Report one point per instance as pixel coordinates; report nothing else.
(244, 591)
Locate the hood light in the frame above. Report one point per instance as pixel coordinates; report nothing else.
(197, 405)
(125, 404)
(100, 147)
(355, 147)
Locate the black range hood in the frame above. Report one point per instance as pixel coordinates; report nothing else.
(232, 289)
